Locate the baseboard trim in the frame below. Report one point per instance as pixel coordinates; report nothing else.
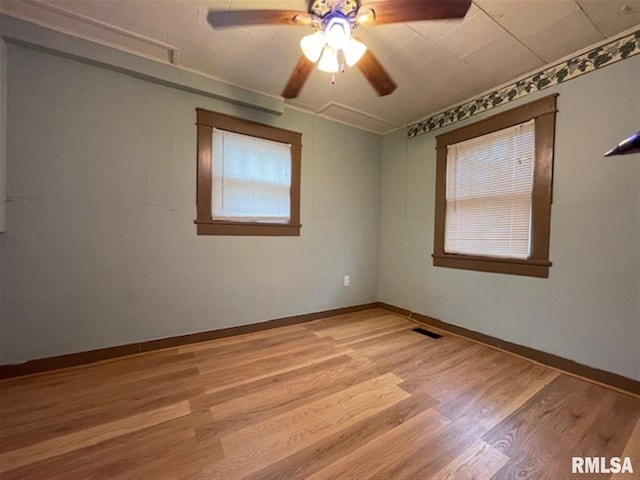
(593, 375)
(41, 365)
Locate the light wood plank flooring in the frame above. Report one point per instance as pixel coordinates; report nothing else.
(355, 396)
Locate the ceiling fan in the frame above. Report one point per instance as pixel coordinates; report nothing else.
(334, 24)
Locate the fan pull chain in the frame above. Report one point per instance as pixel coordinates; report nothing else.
(333, 79)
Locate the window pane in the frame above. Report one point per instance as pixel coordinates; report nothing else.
(488, 194)
(251, 178)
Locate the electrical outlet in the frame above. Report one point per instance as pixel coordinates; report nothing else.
(347, 280)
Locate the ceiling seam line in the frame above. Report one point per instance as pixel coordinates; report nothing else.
(591, 21)
(510, 34)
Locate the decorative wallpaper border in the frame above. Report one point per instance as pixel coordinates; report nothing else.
(594, 59)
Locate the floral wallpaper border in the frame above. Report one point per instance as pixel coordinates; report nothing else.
(607, 54)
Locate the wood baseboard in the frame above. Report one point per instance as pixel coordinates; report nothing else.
(82, 358)
(594, 375)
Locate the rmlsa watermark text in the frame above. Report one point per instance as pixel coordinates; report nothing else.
(601, 465)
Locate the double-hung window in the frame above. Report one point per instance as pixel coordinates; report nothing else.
(248, 177)
(493, 192)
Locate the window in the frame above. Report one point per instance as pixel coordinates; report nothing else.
(493, 192)
(488, 194)
(248, 177)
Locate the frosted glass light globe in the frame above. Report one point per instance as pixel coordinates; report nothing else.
(312, 46)
(329, 61)
(337, 32)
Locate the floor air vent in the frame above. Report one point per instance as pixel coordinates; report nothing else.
(423, 331)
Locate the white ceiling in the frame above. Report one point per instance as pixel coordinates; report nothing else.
(435, 63)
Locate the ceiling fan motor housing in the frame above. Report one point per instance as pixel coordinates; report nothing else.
(321, 8)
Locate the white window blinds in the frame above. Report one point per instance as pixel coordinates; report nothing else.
(251, 178)
(489, 194)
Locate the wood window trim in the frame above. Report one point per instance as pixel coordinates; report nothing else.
(544, 111)
(205, 224)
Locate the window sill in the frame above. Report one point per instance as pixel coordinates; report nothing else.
(529, 268)
(220, 227)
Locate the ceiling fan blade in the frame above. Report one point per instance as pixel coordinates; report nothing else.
(397, 11)
(376, 74)
(298, 77)
(233, 18)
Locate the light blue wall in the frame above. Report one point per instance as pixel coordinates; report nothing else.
(3, 128)
(101, 248)
(589, 308)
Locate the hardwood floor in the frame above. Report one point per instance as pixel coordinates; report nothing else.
(354, 396)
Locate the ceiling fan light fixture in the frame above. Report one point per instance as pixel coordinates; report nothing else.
(353, 51)
(329, 60)
(312, 46)
(337, 31)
